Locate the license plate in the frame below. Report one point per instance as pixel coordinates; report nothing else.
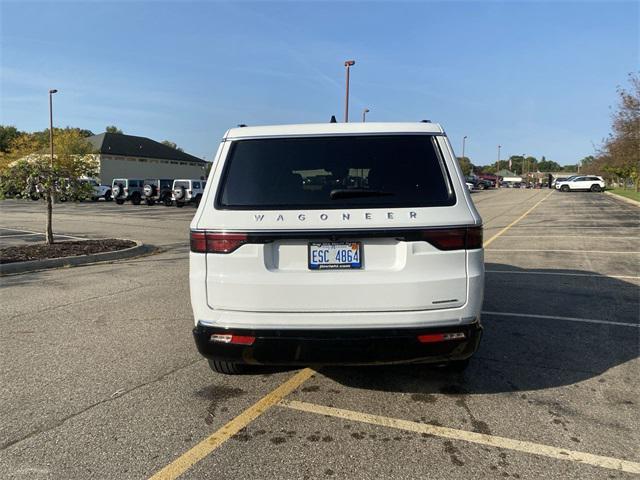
(335, 255)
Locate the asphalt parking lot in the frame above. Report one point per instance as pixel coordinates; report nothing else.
(100, 377)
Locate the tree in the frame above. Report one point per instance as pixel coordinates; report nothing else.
(112, 129)
(171, 144)
(34, 174)
(7, 134)
(622, 148)
(545, 165)
(465, 165)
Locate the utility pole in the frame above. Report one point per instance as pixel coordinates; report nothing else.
(464, 140)
(49, 193)
(348, 64)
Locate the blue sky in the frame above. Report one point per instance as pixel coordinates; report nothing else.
(536, 77)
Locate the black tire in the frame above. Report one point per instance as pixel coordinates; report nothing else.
(457, 366)
(179, 204)
(167, 201)
(119, 201)
(228, 368)
(564, 188)
(150, 202)
(596, 188)
(197, 201)
(135, 198)
(93, 199)
(107, 196)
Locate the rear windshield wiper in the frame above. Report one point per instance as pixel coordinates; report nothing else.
(357, 193)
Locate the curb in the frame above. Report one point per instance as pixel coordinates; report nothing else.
(624, 199)
(35, 265)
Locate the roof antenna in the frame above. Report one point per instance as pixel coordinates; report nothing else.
(333, 119)
(242, 125)
(425, 121)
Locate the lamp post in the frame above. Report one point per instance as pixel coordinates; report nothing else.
(49, 231)
(498, 168)
(51, 92)
(364, 115)
(348, 64)
(464, 141)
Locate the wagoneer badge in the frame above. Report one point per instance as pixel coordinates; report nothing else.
(346, 217)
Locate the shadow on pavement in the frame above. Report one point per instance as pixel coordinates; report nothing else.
(525, 353)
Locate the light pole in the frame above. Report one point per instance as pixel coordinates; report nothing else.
(464, 141)
(364, 115)
(498, 167)
(348, 64)
(51, 92)
(49, 231)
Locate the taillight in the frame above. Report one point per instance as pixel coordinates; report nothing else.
(474, 238)
(198, 242)
(454, 238)
(441, 337)
(233, 339)
(216, 242)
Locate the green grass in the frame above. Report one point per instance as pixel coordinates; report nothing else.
(631, 193)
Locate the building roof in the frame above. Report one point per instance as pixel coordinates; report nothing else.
(332, 129)
(133, 146)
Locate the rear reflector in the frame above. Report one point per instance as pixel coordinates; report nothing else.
(233, 339)
(454, 238)
(215, 242)
(441, 337)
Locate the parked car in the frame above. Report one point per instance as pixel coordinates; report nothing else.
(470, 186)
(187, 191)
(587, 183)
(158, 190)
(99, 191)
(562, 179)
(123, 189)
(289, 271)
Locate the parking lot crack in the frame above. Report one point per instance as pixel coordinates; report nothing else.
(79, 302)
(121, 393)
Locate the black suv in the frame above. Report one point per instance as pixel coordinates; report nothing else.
(158, 190)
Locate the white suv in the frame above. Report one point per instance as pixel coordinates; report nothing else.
(187, 191)
(335, 243)
(588, 182)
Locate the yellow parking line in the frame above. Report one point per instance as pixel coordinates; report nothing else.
(479, 438)
(488, 242)
(209, 444)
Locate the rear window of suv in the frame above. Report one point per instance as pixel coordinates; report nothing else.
(335, 172)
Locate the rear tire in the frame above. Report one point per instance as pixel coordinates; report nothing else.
(135, 199)
(227, 368)
(197, 202)
(179, 204)
(119, 201)
(150, 202)
(107, 196)
(596, 188)
(457, 366)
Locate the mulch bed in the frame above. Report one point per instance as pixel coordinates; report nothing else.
(40, 251)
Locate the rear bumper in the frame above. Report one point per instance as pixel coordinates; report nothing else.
(339, 347)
